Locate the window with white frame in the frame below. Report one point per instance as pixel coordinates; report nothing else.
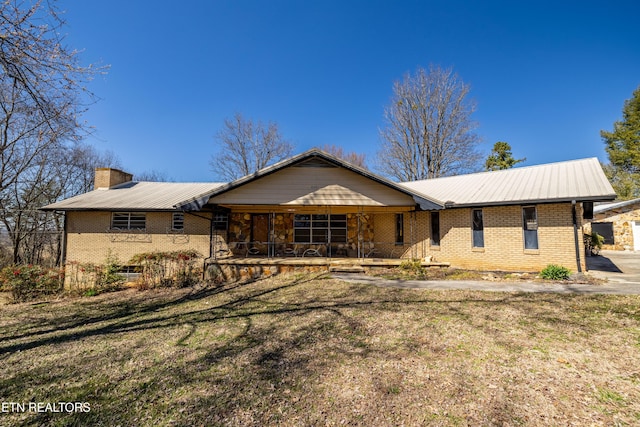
(128, 221)
(220, 221)
(321, 228)
(530, 227)
(177, 222)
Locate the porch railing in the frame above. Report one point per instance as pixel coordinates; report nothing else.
(364, 249)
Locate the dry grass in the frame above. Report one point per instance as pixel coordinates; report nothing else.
(304, 350)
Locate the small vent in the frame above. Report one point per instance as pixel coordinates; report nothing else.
(315, 163)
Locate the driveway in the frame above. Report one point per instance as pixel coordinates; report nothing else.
(616, 266)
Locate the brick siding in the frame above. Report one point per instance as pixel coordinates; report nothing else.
(503, 238)
(89, 239)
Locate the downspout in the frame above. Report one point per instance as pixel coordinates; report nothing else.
(414, 230)
(358, 236)
(271, 236)
(575, 234)
(63, 243)
(328, 254)
(212, 252)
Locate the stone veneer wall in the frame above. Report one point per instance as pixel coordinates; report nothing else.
(240, 229)
(622, 227)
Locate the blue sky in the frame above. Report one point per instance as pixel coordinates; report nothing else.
(546, 76)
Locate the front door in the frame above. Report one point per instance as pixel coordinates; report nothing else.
(260, 232)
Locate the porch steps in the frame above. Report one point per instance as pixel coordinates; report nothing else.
(339, 268)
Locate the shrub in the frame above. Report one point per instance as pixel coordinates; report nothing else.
(29, 282)
(167, 269)
(91, 279)
(110, 276)
(555, 272)
(594, 242)
(412, 266)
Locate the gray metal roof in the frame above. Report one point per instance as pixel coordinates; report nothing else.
(613, 206)
(132, 196)
(579, 180)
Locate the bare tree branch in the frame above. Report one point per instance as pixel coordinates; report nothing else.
(246, 147)
(429, 130)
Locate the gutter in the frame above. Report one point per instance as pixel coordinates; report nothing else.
(451, 204)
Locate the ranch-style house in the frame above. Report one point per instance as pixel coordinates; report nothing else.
(316, 208)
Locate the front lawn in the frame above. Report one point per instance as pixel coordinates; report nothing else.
(311, 350)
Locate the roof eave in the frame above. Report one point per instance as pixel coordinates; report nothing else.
(451, 205)
(106, 209)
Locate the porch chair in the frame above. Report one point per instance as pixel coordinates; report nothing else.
(370, 251)
(291, 251)
(320, 250)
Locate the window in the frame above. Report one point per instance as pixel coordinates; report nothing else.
(399, 229)
(477, 225)
(177, 222)
(530, 227)
(435, 228)
(605, 229)
(220, 221)
(319, 228)
(128, 221)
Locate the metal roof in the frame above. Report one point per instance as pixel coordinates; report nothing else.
(132, 196)
(580, 180)
(613, 206)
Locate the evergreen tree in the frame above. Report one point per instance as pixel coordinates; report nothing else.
(501, 157)
(623, 149)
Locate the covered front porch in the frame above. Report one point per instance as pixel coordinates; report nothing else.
(314, 232)
(312, 205)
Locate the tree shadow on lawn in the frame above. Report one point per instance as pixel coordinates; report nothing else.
(118, 306)
(278, 348)
(140, 313)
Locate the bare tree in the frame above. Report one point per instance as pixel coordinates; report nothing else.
(42, 96)
(41, 86)
(35, 236)
(246, 147)
(152, 176)
(351, 157)
(429, 131)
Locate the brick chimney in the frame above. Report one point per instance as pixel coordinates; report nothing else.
(108, 177)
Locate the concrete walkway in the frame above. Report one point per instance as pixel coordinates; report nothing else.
(620, 269)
